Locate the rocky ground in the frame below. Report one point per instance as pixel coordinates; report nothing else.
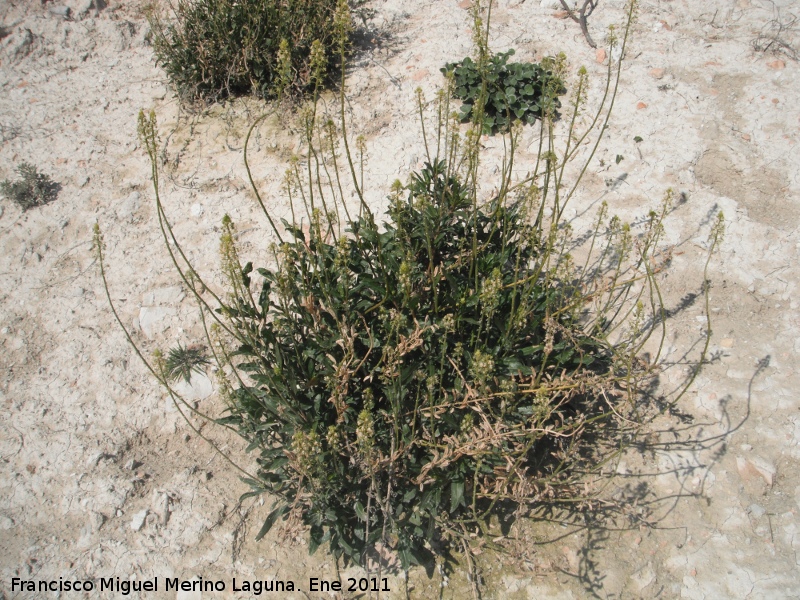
(100, 475)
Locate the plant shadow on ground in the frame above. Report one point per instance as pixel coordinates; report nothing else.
(631, 501)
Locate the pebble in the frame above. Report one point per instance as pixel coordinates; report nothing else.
(96, 521)
(657, 73)
(151, 319)
(420, 75)
(776, 65)
(641, 105)
(553, 4)
(138, 520)
(186, 595)
(200, 387)
(600, 55)
(197, 210)
(59, 11)
(752, 467)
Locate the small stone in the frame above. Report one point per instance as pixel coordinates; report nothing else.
(553, 4)
(185, 595)
(753, 467)
(600, 55)
(96, 521)
(197, 210)
(151, 319)
(776, 64)
(657, 73)
(82, 8)
(60, 11)
(132, 465)
(94, 459)
(420, 75)
(746, 137)
(726, 342)
(138, 520)
(199, 388)
(465, 4)
(82, 180)
(640, 105)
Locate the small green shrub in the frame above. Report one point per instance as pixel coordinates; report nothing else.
(211, 49)
(505, 91)
(32, 189)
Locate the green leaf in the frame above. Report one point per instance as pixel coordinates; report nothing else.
(360, 512)
(270, 521)
(456, 495)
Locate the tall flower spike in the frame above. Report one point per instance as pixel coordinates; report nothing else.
(318, 63)
(342, 25)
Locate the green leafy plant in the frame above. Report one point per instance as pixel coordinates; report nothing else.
(211, 49)
(182, 361)
(32, 189)
(412, 384)
(503, 91)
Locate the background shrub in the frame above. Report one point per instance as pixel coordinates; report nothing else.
(211, 49)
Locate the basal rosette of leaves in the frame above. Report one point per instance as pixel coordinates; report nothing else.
(405, 380)
(504, 91)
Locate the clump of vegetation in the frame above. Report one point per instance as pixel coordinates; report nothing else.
(505, 92)
(211, 49)
(32, 189)
(410, 385)
(182, 361)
